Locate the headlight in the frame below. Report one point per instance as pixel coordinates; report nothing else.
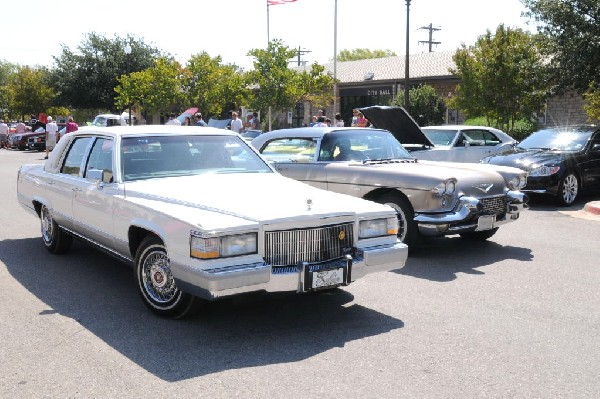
(517, 182)
(222, 247)
(544, 171)
(447, 187)
(378, 227)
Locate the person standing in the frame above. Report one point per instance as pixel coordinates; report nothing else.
(3, 134)
(173, 120)
(338, 120)
(51, 133)
(236, 123)
(20, 127)
(255, 122)
(199, 121)
(71, 125)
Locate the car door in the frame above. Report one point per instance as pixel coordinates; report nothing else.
(590, 163)
(93, 200)
(61, 186)
(479, 143)
(296, 158)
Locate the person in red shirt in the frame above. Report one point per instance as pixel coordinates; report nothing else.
(71, 125)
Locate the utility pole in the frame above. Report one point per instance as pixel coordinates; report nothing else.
(431, 29)
(300, 53)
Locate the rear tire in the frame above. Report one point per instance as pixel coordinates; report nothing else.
(408, 231)
(55, 239)
(156, 283)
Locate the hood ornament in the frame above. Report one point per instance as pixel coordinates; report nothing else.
(483, 187)
(309, 203)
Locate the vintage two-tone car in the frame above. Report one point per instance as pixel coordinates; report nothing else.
(201, 215)
(431, 198)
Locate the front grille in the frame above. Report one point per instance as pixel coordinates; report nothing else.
(320, 244)
(494, 205)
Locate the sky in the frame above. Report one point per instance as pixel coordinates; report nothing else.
(33, 31)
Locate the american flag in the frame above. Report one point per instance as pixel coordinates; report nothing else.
(277, 2)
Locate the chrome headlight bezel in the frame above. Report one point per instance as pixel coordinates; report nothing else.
(381, 227)
(543, 170)
(446, 187)
(517, 182)
(225, 246)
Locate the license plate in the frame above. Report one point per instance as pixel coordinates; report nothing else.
(327, 278)
(486, 222)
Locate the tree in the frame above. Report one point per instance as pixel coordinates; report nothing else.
(154, 89)
(363, 54)
(87, 77)
(315, 86)
(592, 98)
(503, 77)
(7, 71)
(426, 107)
(271, 79)
(573, 31)
(212, 86)
(29, 92)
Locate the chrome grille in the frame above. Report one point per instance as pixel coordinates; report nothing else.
(320, 244)
(494, 205)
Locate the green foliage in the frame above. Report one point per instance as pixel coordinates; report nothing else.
(592, 98)
(503, 77)
(363, 54)
(280, 87)
(573, 39)
(87, 77)
(426, 107)
(29, 92)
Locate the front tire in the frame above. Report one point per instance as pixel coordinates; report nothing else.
(156, 283)
(568, 190)
(55, 240)
(408, 231)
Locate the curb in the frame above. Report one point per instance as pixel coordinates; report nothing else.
(592, 207)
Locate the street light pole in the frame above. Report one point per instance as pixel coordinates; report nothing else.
(406, 65)
(127, 50)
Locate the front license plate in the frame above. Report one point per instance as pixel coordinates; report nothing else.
(486, 222)
(327, 278)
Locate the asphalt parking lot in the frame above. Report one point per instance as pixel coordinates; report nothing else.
(516, 316)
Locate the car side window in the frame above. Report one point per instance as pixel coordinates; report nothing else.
(290, 149)
(74, 158)
(477, 137)
(101, 159)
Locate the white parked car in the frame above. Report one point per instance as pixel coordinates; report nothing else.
(448, 143)
(201, 215)
(105, 120)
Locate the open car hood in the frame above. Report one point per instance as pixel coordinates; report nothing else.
(398, 122)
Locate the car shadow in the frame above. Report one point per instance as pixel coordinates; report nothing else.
(254, 330)
(441, 259)
(539, 202)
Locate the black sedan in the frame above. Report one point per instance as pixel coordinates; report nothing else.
(561, 161)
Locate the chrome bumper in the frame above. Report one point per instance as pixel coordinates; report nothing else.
(231, 280)
(465, 216)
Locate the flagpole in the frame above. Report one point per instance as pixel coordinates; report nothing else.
(335, 58)
(268, 33)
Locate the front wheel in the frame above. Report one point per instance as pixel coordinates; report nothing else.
(568, 190)
(55, 240)
(408, 231)
(156, 283)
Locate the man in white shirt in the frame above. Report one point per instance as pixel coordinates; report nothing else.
(51, 135)
(3, 133)
(173, 120)
(236, 123)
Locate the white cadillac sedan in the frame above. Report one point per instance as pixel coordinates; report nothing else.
(200, 215)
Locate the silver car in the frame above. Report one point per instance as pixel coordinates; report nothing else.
(431, 198)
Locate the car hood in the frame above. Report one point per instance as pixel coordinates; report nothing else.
(237, 198)
(525, 159)
(398, 121)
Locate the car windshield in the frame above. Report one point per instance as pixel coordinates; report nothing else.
(168, 156)
(440, 136)
(361, 145)
(557, 139)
